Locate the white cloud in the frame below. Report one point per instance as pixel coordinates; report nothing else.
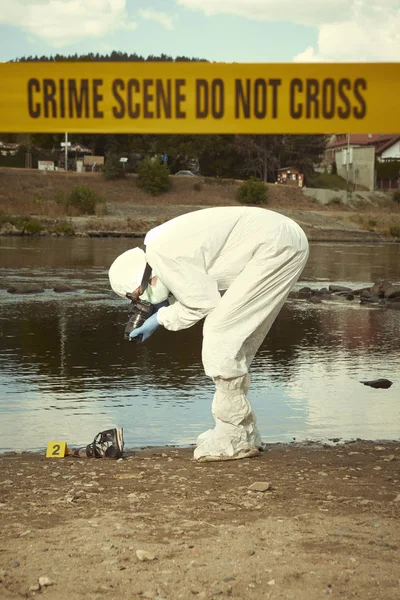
(348, 30)
(63, 22)
(307, 12)
(159, 17)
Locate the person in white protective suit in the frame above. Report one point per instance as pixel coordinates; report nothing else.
(251, 254)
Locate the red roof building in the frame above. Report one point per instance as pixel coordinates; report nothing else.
(381, 142)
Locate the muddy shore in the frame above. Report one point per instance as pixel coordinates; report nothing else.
(328, 525)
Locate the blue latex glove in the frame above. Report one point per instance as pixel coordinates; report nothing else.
(148, 327)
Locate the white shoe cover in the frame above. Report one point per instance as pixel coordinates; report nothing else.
(235, 434)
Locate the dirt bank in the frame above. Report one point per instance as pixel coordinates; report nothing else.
(328, 525)
(130, 210)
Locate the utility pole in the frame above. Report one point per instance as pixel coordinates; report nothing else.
(66, 151)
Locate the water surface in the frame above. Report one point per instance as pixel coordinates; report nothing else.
(67, 373)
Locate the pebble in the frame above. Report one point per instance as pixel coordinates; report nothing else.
(229, 578)
(14, 563)
(260, 486)
(397, 499)
(46, 581)
(143, 555)
(216, 591)
(35, 587)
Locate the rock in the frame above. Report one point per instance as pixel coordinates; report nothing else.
(35, 587)
(389, 458)
(61, 288)
(339, 288)
(260, 486)
(371, 299)
(392, 292)
(14, 563)
(46, 581)
(3, 573)
(362, 292)
(144, 555)
(28, 288)
(9, 229)
(379, 288)
(229, 578)
(397, 499)
(315, 300)
(216, 592)
(304, 292)
(378, 383)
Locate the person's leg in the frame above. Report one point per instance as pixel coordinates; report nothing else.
(234, 331)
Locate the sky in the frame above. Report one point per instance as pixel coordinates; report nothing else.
(217, 30)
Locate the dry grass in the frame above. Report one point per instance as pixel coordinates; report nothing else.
(26, 192)
(31, 193)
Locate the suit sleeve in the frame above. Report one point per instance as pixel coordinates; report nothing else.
(195, 292)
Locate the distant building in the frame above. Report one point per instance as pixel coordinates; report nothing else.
(7, 148)
(290, 176)
(355, 156)
(387, 146)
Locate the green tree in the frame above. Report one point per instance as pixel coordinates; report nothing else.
(153, 177)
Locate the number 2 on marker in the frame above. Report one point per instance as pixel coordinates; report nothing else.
(56, 450)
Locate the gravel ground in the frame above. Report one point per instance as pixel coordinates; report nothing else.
(158, 525)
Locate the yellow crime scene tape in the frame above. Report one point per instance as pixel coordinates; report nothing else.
(199, 98)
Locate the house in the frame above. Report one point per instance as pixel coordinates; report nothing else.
(76, 152)
(8, 148)
(290, 176)
(387, 146)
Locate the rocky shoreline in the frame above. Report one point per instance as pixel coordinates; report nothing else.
(382, 293)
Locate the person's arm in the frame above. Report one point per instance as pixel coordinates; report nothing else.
(195, 292)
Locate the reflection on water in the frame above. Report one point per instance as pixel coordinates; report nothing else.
(66, 372)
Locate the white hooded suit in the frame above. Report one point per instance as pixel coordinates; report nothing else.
(254, 256)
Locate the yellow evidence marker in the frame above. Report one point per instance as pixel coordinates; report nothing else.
(57, 450)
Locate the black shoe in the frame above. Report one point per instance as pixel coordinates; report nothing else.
(107, 444)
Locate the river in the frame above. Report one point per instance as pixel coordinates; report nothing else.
(66, 372)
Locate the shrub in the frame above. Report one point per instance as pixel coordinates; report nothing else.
(197, 186)
(64, 229)
(396, 196)
(113, 168)
(394, 231)
(84, 199)
(252, 191)
(31, 226)
(153, 177)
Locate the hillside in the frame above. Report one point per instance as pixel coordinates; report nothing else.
(36, 194)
